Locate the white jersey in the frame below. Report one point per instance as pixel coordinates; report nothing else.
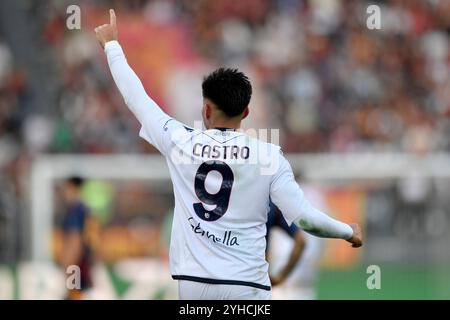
(223, 181)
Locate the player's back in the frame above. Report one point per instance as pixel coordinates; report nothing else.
(221, 183)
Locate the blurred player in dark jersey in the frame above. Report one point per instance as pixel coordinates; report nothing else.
(77, 226)
(275, 219)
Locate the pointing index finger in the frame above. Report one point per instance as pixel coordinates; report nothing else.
(112, 17)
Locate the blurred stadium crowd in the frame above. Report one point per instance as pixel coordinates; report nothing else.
(323, 78)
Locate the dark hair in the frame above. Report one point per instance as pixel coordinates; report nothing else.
(229, 89)
(75, 181)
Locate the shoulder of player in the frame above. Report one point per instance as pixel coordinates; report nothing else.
(262, 143)
(173, 124)
(178, 131)
(272, 149)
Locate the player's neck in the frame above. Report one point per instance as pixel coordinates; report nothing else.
(225, 124)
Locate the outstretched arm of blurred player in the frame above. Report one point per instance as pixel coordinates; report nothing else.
(296, 252)
(290, 199)
(148, 113)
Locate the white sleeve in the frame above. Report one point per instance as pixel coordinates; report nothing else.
(154, 121)
(290, 199)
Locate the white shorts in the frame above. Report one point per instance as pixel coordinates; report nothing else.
(294, 293)
(191, 290)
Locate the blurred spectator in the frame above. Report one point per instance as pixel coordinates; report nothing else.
(320, 75)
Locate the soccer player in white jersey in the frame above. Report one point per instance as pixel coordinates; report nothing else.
(223, 181)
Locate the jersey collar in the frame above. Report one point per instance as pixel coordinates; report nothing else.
(223, 129)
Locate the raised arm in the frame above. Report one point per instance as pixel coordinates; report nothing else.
(289, 198)
(148, 113)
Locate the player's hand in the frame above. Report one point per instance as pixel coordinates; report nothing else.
(356, 239)
(107, 32)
